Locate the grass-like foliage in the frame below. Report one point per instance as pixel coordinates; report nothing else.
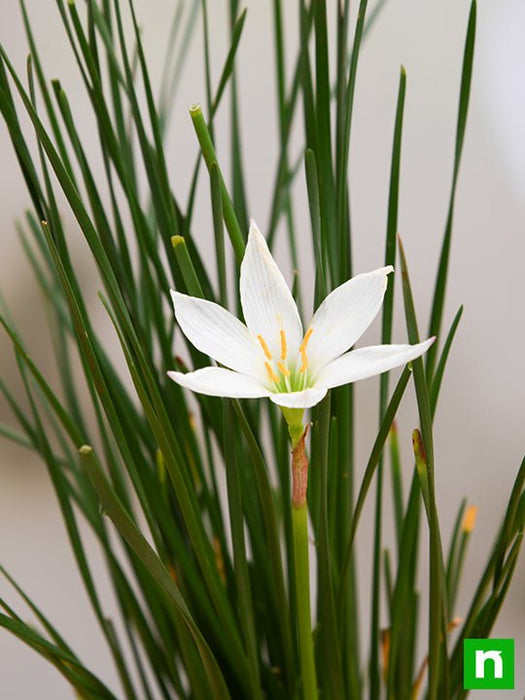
(211, 594)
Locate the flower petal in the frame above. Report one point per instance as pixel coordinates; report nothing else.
(267, 303)
(366, 362)
(217, 333)
(216, 381)
(344, 316)
(300, 399)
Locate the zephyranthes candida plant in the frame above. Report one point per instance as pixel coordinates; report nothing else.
(272, 356)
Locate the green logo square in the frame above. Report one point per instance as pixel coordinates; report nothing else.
(488, 664)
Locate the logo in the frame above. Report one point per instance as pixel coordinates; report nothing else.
(488, 664)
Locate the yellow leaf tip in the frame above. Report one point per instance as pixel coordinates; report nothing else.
(470, 519)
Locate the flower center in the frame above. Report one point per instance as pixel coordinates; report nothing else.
(283, 376)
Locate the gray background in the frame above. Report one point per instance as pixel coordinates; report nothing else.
(480, 434)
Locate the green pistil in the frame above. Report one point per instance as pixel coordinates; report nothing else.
(295, 381)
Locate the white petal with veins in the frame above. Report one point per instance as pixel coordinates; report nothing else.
(267, 303)
(367, 362)
(217, 333)
(216, 381)
(344, 316)
(300, 399)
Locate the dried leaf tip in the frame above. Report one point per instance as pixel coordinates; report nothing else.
(470, 519)
(455, 622)
(419, 447)
(385, 651)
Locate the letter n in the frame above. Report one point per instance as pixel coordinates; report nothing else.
(482, 656)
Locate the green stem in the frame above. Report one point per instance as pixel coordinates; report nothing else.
(300, 549)
(302, 592)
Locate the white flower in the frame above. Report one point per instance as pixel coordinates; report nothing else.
(270, 355)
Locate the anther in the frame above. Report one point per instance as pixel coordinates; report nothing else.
(302, 350)
(271, 373)
(283, 370)
(307, 335)
(265, 347)
(284, 347)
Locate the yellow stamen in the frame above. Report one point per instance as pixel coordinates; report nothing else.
(304, 343)
(302, 350)
(264, 346)
(283, 370)
(470, 519)
(271, 373)
(284, 346)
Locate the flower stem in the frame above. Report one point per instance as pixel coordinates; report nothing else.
(302, 592)
(302, 571)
